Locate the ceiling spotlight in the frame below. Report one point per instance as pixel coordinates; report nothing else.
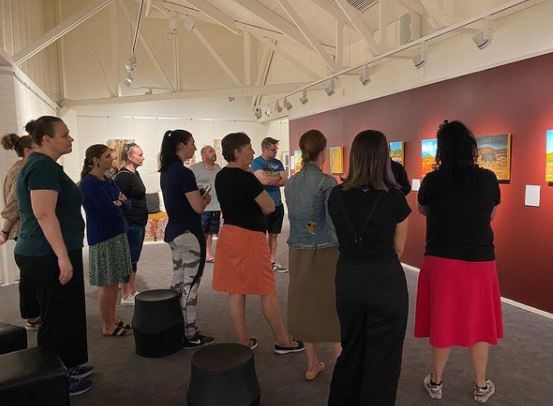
(365, 78)
(483, 38)
(131, 63)
(330, 90)
(231, 99)
(287, 105)
(173, 26)
(257, 113)
(128, 79)
(278, 107)
(420, 60)
(189, 23)
(268, 111)
(303, 98)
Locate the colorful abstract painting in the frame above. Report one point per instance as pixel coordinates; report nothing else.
(337, 160)
(494, 153)
(428, 155)
(549, 156)
(397, 152)
(297, 161)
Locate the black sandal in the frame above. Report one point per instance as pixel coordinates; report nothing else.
(119, 332)
(126, 326)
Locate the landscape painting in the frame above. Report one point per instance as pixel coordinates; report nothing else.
(297, 161)
(397, 151)
(428, 155)
(549, 156)
(337, 160)
(494, 153)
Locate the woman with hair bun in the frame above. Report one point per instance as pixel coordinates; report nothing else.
(130, 183)
(109, 256)
(313, 253)
(49, 248)
(23, 146)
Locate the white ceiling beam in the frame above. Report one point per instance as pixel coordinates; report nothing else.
(339, 44)
(216, 56)
(191, 94)
(247, 58)
(263, 73)
(60, 30)
(359, 26)
(286, 55)
(308, 34)
(147, 49)
(215, 14)
(274, 19)
(115, 63)
(435, 13)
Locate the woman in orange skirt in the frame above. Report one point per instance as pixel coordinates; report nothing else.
(242, 261)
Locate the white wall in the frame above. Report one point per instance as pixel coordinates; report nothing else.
(148, 133)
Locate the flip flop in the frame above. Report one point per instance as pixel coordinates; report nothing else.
(126, 326)
(211, 261)
(119, 332)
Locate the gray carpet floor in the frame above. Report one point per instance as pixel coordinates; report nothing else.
(520, 366)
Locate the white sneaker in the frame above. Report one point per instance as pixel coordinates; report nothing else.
(129, 301)
(434, 390)
(481, 395)
(277, 267)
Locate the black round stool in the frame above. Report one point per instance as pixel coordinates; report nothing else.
(157, 323)
(223, 374)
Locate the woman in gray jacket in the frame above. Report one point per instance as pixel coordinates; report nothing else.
(313, 253)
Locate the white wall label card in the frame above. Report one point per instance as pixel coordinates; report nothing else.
(532, 196)
(415, 185)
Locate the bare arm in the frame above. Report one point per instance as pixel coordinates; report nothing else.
(400, 237)
(266, 180)
(491, 217)
(198, 202)
(43, 203)
(265, 202)
(283, 178)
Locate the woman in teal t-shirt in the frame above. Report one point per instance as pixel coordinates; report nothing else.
(49, 247)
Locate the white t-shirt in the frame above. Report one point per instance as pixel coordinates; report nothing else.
(204, 177)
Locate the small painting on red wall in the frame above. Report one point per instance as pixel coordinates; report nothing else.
(397, 151)
(494, 153)
(549, 157)
(428, 155)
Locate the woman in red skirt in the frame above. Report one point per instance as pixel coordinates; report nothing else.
(458, 300)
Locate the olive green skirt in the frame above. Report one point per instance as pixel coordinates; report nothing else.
(109, 261)
(312, 313)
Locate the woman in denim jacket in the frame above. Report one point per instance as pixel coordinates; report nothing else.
(313, 253)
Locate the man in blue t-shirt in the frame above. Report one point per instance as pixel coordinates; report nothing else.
(272, 175)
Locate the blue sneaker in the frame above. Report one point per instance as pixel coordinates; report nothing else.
(80, 372)
(78, 386)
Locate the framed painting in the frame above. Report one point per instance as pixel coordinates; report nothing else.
(285, 159)
(428, 155)
(117, 145)
(494, 153)
(298, 162)
(397, 151)
(549, 156)
(337, 160)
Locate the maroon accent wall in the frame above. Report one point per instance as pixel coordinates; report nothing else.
(515, 98)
